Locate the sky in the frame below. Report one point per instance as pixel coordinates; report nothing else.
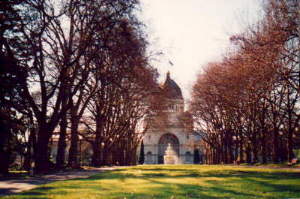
(192, 33)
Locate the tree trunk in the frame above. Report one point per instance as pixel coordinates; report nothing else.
(98, 149)
(61, 151)
(241, 146)
(99, 156)
(275, 152)
(4, 154)
(290, 145)
(142, 154)
(255, 149)
(29, 157)
(263, 147)
(42, 152)
(73, 151)
(231, 150)
(248, 154)
(96, 158)
(4, 159)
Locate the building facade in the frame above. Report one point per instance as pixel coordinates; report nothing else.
(176, 129)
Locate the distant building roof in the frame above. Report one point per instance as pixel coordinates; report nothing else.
(171, 89)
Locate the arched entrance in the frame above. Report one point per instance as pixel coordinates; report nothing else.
(163, 144)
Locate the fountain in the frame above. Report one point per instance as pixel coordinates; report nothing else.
(170, 156)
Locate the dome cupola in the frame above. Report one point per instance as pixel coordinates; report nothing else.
(171, 89)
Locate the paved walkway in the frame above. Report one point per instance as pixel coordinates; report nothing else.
(13, 186)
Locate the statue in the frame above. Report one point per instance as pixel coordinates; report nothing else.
(170, 156)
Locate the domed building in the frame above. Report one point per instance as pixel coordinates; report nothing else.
(176, 131)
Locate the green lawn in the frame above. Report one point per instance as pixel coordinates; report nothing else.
(176, 181)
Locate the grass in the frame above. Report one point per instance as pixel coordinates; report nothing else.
(175, 181)
(277, 165)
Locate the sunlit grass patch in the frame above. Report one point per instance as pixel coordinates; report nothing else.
(176, 181)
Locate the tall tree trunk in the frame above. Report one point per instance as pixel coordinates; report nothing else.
(254, 149)
(4, 154)
(225, 151)
(61, 151)
(96, 158)
(42, 163)
(264, 147)
(248, 154)
(142, 154)
(236, 150)
(4, 159)
(98, 149)
(29, 157)
(264, 150)
(73, 151)
(241, 146)
(290, 145)
(275, 145)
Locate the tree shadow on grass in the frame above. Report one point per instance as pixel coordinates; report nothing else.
(37, 193)
(217, 184)
(262, 179)
(196, 191)
(6, 191)
(178, 173)
(272, 187)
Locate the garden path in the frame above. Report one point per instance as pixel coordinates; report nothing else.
(17, 185)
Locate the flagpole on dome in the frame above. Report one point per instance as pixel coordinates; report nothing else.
(171, 64)
(168, 74)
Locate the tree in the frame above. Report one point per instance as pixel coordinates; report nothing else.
(142, 154)
(244, 103)
(57, 41)
(12, 106)
(71, 59)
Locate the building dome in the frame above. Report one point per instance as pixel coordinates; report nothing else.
(171, 89)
